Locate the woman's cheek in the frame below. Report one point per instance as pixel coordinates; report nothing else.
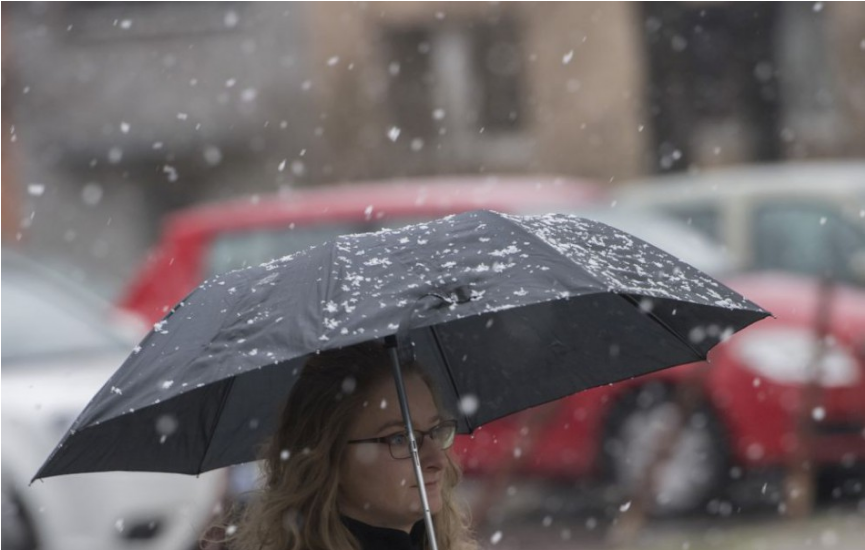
(367, 455)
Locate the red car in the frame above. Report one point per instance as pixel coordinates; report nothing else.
(745, 421)
(202, 241)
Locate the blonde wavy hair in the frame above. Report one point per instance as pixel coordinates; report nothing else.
(296, 509)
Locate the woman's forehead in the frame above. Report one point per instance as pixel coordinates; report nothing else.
(380, 408)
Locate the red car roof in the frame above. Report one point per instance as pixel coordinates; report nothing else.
(427, 197)
(176, 263)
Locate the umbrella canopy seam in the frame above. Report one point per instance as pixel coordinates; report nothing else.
(447, 368)
(218, 416)
(630, 299)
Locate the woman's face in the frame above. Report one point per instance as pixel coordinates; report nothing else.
(376, 488)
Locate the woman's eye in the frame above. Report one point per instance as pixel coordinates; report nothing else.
(397, 439)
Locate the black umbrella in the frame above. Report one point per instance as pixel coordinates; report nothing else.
(507, 312)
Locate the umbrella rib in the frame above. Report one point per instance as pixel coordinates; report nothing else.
(630, 299)
(217, 417)
(449, 373)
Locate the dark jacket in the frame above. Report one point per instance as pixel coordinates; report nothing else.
(382, 538)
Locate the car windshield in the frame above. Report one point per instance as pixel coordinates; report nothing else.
(41, 320)
(235, 250)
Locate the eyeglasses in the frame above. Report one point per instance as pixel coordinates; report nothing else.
(442, 436)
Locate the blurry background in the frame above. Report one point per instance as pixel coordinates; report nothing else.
(121, 119)
(116, 113)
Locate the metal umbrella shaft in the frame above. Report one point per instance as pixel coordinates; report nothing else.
(409, 430)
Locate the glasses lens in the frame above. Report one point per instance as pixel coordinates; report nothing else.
(444, 434)
(399, 446)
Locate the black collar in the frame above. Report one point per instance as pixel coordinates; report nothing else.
(382, 538)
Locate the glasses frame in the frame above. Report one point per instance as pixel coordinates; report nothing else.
(419, 435)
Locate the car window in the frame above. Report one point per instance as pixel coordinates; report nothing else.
(40, 320)
(812, 239)
(238, 249)
(703, 218)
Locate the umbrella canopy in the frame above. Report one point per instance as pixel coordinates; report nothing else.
(530, 309)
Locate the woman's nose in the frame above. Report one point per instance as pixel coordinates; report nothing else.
(431, 455)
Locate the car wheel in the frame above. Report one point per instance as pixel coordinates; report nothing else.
(17, 532)
(696, 467)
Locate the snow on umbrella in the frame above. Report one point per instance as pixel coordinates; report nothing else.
(507, 312)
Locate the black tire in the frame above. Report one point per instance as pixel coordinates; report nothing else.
(697, 469)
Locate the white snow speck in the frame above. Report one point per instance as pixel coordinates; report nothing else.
(333, 61)
(212, 155)
(496, 538)
(567, 57)
(469, 404)
(115, 155)
(36, 189)
(124, 127)
(624, 507)
(167, 384)
(505, 251)
(231, 19)
(393, 133)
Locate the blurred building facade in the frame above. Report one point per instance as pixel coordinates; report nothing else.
(117, 113)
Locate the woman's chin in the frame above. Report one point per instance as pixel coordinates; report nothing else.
(435, 504)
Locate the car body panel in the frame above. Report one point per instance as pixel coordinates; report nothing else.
(43, 391)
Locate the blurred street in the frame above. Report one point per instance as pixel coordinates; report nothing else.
(840, 528)
(150, 147)
(538, 516)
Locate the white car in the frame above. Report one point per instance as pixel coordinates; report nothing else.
(58, 348)
(801, 217)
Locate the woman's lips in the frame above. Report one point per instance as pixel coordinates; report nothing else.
(428, 484)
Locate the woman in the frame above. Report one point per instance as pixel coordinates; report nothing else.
(338, 474)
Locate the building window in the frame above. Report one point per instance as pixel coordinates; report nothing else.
(464, 78)
(412, 80)
(713, 84)
(498, 66)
